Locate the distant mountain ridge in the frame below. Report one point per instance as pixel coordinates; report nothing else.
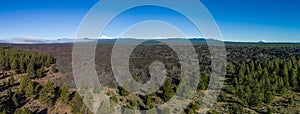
(100, 41)
(28, 40)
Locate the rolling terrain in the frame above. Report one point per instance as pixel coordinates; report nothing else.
(268, 66)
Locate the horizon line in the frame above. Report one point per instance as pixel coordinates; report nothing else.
(36, 39)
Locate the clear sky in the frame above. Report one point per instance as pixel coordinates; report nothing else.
(238, 20)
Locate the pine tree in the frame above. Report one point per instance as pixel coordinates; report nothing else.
(148, 100)
(259, 69)
(115, 99)
(168, 91)
(39, 72)
(15, 64)
(289, 64)
(123, 92)
(88, 99)
(285, 74)
(96, 88)
(11, 80)
(30, 90)
(15, 100)
(47, 94)
(49, 60)
(24, 82)
(241, 71)
(54, 69)
(9, 92)
(204, 80)
(252, 67)
(223, 96)
(230, 69)
(190, 111)
(291, 101)
(269, 96)
(265, 72)
(238, 109)
(22, 66)
(31, 71)
(293, 78)
(26, 111)
(269, 111)
(64, 94)
(76, 103)
(235, 81)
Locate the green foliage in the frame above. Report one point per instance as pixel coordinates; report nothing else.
(54, 69)
(47, 94)
(16, 62)
(166, 111)
(151, 106)
(39, 72)
(230, 69)
(222, 96)
(152, 111)
(3, 112)
(269, 111)
(168, 91)
(11, 80)
(96, 88)
(204, 81)
(64, 94)
(291, 101)
(123, 92)
(126, 111)
(192, 108)
(24, 82)
(21, 61)
(88, 99)
(76, 103)
(148, 100)
(293, 78)
(115, 99)
(190, 111)
(252, 88)
(26, 111)
(237, 109)
(15, 99)
(107, 108)
(9, 92)
(23, 111)
(269, 96)
(30, 90)
(31, 70)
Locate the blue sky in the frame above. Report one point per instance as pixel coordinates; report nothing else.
(238, 20)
